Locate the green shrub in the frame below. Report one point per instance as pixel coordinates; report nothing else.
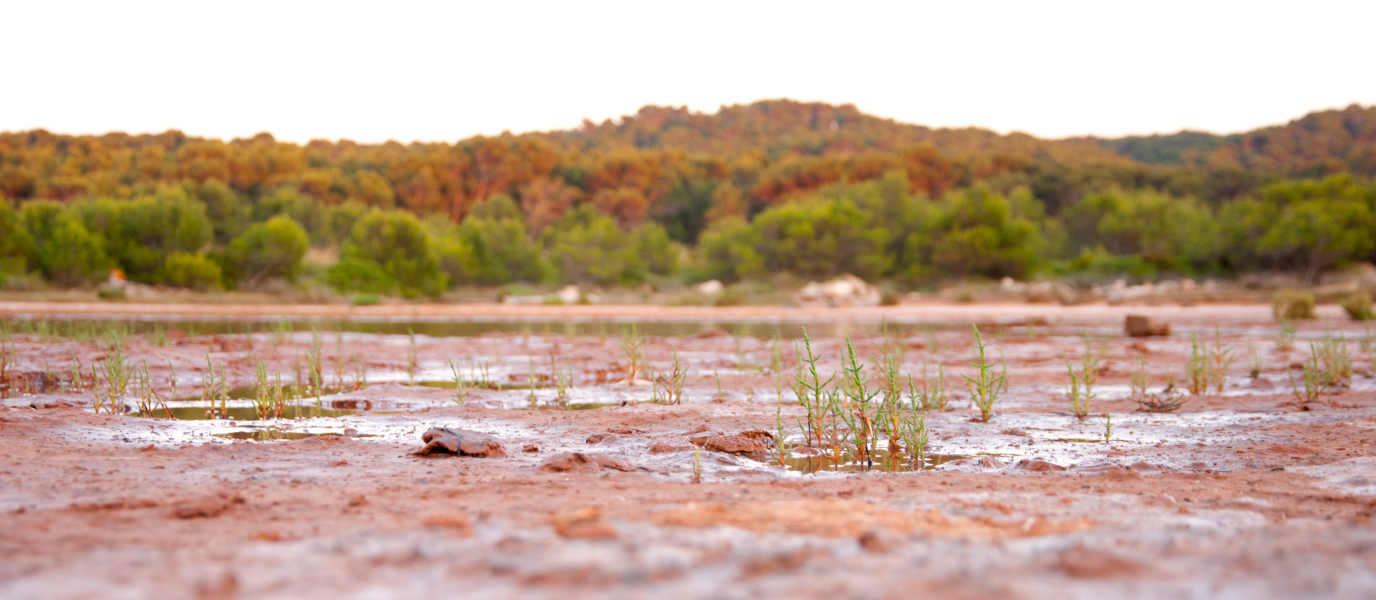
(728, 251)
(16, 244)
(1358, 306)
(271, 249)
(366, 299)
(67, 253)
(490, 252)
(586, 246)
(1292, 305)
(396, 242)
(359, 275)
(195, 271)
(110, 292)
(141, 233)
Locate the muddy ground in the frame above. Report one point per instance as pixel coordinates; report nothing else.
(1249, 492)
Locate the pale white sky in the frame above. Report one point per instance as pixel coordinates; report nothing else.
(447, 70)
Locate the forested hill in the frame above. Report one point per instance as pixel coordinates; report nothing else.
(748, 192)
(655, 161)
(1320, 143)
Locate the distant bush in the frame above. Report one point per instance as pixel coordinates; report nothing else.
(397, 243)
(194, 271)
(366, 299)
(587, 246)
(271, 249)
(352, 274)
(1358, 306)
(141, 233)
(1291, 305)
(16, 244)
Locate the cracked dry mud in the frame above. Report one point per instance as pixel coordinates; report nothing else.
(1248, 493)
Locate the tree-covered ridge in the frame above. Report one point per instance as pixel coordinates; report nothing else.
(1317, 144)
(747, 192)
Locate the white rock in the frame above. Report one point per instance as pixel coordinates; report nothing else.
(710, 288)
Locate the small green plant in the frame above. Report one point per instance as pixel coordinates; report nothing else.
(1221, 357)
(1358, 306)
(117, 374)
(1315, 376)
(360, 373)
(781, 450)
(697, 464)
(931, 394)
(671, 384)
(985, 387)
(1079, 394)
(412, 355)
(1285, 336)
(1108, 428)
(1254, 371)
(1197, 368)
(721, 393)
(563, 379)
(460, 396)
(1336, 360)
(270, 397)
(859, 400)
(633, 350)
(1138, 381)
(214, 389)
(810, 390)
(914, 428)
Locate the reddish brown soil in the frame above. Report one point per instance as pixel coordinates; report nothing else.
(1247, 494)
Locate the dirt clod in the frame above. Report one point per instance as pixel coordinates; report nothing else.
(580, 461)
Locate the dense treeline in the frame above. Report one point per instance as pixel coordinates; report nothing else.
(752, 190)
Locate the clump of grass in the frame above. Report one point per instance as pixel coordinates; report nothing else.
(859, 398)
(1315, 377)
(697, 464)
(633, 350)
(1108, 428)
(9, 358)
(1138, 381)
(215, 389)
(931, 394)
(360, 373)
(985, 387)
(810, 390)
(1292, 305)
(914, 432)
(531, 397)
(1079, 394)
(1285, 336)
(117, 374)
(412, 355)
(460, 396)
(270, 397)
(148, 399)
(781, 449)
(1358, 306)
(671, 384)
(1197, 368)
(563, 379)
(1336, 360)
(1254, 371)
(1221, 357)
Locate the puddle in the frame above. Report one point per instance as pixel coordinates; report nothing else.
(273, 434)
(247, 413)
(882, 463)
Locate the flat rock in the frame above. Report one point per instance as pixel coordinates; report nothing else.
(1038, 465)
(732, 444)
(584, 461)
(462, 442)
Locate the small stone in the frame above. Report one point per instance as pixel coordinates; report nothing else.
(1143, 326)
(1038, 465)
(443, 440)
